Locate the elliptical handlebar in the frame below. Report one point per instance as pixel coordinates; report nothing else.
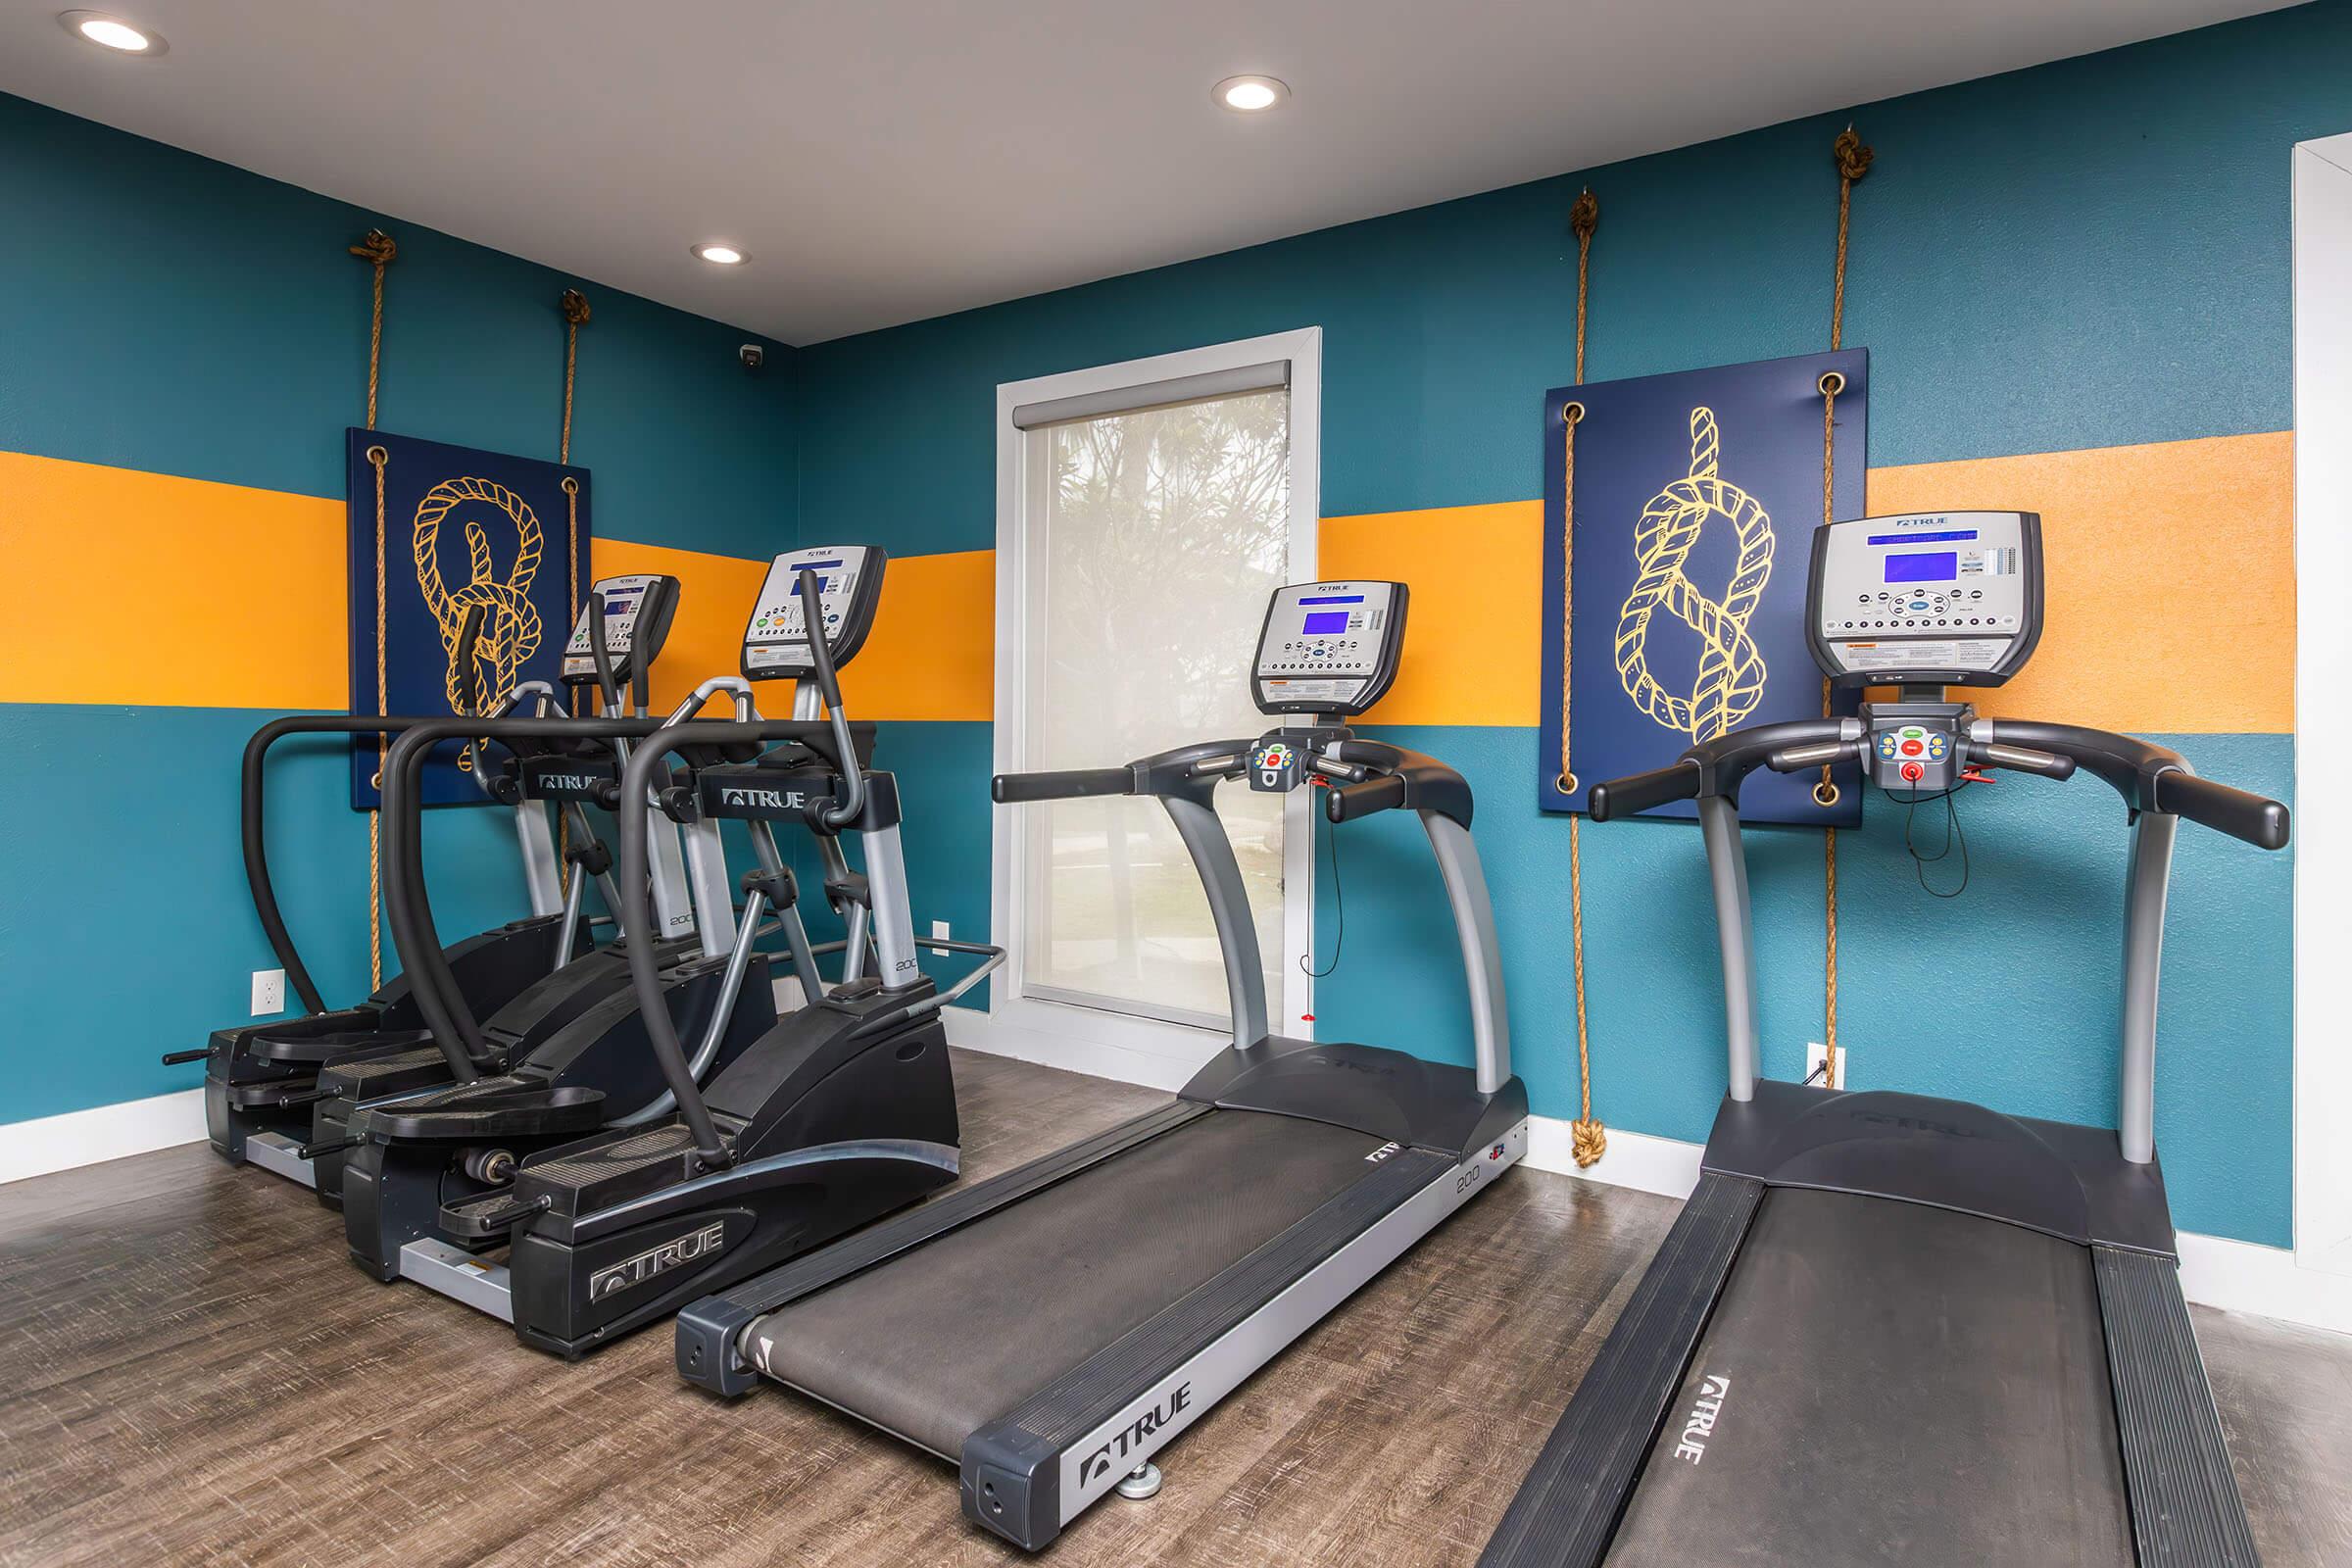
(851, 804)
(635, 876)
(608, 687)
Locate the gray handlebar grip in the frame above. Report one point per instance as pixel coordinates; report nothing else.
(2021, 759)
(1344, 803)
(1639, 792)
(1817, 754)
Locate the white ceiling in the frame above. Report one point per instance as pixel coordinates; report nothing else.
(883, 161)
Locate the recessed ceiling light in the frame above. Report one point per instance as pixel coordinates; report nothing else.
(720, 255)
(1250, 95)
(112, 33)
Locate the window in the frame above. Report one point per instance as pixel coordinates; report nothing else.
(1150, 510)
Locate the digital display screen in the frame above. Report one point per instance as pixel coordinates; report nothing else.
(1928, 566)
(1324, 621)
(1333, 599)
(1949, 536)
(618, 606)
(819, 566)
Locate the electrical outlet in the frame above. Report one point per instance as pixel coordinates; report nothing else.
(939, 929)
(1814, 1050)
(269, 992)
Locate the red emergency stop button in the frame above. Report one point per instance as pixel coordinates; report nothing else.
(1912, 772)
(1911, 748)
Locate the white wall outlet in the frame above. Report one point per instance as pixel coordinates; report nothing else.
(269, 992)
(939, 929)
(1814, 1050)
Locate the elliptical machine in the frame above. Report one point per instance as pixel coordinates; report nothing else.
(839, 1111)
(263, 1082)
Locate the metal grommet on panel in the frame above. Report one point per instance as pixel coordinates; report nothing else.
(1565, 783)
(1831, 383)
(1827, 794)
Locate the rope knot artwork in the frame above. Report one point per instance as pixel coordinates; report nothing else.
(511, 622)
(1731, 671)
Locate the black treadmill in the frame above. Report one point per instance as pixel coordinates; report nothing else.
(1050, 1331)
(1891, 1328)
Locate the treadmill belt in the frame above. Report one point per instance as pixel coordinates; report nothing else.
(935, 1345)
(1897, 1384)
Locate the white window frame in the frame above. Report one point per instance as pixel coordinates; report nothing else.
(1139, 1049)
(2323, 831)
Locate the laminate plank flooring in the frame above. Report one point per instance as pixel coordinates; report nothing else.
(191, 1372)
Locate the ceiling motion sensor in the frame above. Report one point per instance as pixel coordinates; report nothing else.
(752, 354)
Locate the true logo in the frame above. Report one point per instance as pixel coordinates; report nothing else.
(631, 1272)
(772, 800)
(1700, 1424)
(565, 781)
(1130, 1438)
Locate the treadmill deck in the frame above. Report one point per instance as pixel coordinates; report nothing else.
(956, 1333)
(1886, 1382)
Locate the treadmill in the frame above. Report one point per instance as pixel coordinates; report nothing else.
(1051, 1330)
(1890, 1327)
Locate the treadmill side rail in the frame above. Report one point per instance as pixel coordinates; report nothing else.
(1567, 1508)
(1034, 1469)
(2185, 1507)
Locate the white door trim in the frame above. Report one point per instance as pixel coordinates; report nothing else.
(2323, 351)
(1013, 1015)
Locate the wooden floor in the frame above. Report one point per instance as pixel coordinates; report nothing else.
(190, 1372)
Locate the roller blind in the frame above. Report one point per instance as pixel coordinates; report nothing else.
(1152, 395)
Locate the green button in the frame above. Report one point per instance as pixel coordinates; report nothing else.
(1913, 734)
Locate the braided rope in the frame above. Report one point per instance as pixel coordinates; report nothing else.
(574, 306)
(1588, 1139)
(1853, 161)
(377, 249)
(1730, 682)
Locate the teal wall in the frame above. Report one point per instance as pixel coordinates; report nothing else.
(2089, 254)
(2093, 253)
(166, 313)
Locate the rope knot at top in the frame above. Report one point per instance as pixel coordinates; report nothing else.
(376, 246)
(575, 307)
(1853, 158)
(1583, 217)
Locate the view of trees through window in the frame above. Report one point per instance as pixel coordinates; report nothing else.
(1154, 538)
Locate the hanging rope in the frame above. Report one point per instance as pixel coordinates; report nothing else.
(376, 248)
(574, 305)
(1588, 1139)
(1853, 162)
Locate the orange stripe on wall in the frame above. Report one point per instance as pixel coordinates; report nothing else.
(1473, 629)
(715, 593)
(932, 652)
(2170, 603)
(232, 597)
(148, 589)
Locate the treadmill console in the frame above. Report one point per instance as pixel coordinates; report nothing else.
(1329, 647)
(1925, 599)
(637, 615)
(849, 582)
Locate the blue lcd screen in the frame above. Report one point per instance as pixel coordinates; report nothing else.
(1943, 538)
(1928, 566)
(1333, 599)
(1325, 621)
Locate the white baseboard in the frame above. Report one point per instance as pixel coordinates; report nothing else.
(2215, 1271)
(103, 1132)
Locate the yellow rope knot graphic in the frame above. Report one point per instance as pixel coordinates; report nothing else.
(510, 632)
(1731, 667)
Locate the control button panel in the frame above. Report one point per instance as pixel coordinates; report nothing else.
(1950, 596)
(1329, 647)
(849, 579)
(637, 610)
(1911, 753)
